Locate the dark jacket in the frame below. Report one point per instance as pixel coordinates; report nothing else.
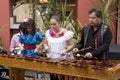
(93, 39)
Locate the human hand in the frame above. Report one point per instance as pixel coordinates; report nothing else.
(75, 50)
(46, 48)
(22, 48)
(36, 50)
(63, 52)
(88, 55)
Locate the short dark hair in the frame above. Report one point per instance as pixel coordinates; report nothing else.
(21, 26)
(96, 11)
(30, 22)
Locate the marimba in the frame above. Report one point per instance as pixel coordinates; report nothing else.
(78, 68)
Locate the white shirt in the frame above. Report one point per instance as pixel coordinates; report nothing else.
(57, 45)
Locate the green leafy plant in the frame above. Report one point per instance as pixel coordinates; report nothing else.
(55, 7)
(109, 15)
(71, 24)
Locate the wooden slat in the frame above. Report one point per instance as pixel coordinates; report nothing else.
(56, 68)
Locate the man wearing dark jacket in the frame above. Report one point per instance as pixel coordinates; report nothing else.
(97, 36)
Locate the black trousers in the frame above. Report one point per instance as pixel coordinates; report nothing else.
(53, 77)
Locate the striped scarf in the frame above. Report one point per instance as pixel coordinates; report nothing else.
(99, 38)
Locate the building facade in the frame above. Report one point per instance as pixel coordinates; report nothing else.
(82, 9)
